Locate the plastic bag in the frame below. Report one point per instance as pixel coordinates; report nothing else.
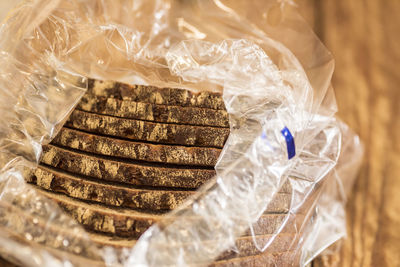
(275, 78)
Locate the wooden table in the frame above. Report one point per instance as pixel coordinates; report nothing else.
(364, 37)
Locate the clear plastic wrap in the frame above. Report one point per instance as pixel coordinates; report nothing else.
(275, 78)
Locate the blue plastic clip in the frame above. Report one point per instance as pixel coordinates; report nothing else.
(291, 148)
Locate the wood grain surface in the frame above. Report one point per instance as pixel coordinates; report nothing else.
(364, 37)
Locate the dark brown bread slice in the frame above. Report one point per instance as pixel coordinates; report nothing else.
(128, 223)
(109, 194)
(22, 226)
(172, 154)
(107, 170)
(154, 112)
(56, 252)
(42, 231)
(112, 241)
(123, 196)
(265, 259)
(279, 246)
(149, 131)
(81, 259)
(94, 217)
(130, 173)
(155, 95)
(76, 259)
(244, 246)
(277, 223)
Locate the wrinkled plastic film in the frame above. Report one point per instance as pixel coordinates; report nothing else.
(274, 74)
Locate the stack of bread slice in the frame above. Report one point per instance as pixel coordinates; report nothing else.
(129, 154)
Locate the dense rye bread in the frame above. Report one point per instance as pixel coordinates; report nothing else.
(155, 95)
(244, 246)
(112, 241)
(129, 223)
(128, 109)
(37, 230)
(109, 194)
(162, 133)
(48, 249)
(78, 256)
(111, 176)
(75, 255)
(94, 217)
(123, 196)
(81, 261)
(22, 226)
(124, 172)
(108, 146)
